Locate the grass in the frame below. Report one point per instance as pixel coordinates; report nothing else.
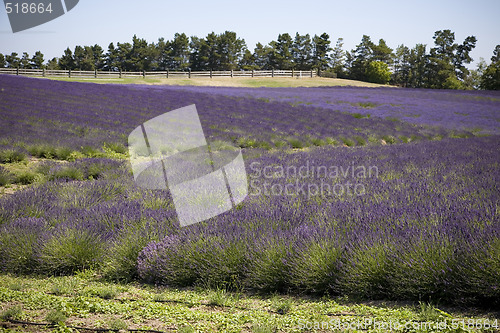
(232, 82)
(192, 310)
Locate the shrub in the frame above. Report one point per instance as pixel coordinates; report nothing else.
(348, 142)
(20, 241)
(66, 173)
(389, 139)
(26, 177)
(360, 140)
(423, 269)
(268, 270)
(12, 156)
(313, 268)
(317, 142)
(72, 249)
(90, 151)
(121, 257)
(296, 143)
(5, 177)
(363, 272)
(331, 141)
(116, 147)
(42, 151)
(378, 72)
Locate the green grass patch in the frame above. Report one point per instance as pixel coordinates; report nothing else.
(192, 310)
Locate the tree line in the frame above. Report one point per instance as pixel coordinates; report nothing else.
(441, 66)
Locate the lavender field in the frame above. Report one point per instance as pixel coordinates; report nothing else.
(371, 193)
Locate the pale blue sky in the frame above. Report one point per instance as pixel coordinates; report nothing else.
(397, 21)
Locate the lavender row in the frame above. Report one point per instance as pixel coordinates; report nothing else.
(81, 115)
(452, 109)
(415, 221)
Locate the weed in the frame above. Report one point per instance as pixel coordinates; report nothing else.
(13, 312)
(281, 305)
(64, 286)
(219, 297)
(55, 317)
(107, 292)
(117, 324)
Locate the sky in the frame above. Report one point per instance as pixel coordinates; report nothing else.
(397, 21)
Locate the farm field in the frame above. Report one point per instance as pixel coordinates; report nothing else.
(231, 82)
(356, 194)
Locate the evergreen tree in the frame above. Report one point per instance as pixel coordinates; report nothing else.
(302, 52)
(321, 51)
(37, 60)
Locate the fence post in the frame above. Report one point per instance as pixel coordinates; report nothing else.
(69, 73)
(253, 72)
(293, 72)
(95, 73)
(120, 73)
(167, 73)
(43, 72)
(189, 73)
(210, 73)
(311, 73)
(231, 73)
(17, 71)
(272, 72)
(143, 74)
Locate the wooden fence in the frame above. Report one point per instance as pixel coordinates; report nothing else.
(159, 74)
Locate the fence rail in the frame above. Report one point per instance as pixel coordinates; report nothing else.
(157, 74)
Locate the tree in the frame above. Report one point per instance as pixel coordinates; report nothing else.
(382, 52)
(13, 60)
(98, 57)
(247, 62)
(378, 72)
(179, 52)
(490, 79)
(66, 61)
(321, 50)
(25, 61)
(53, 64)
(37, 60)
(280, 56)
(419, 62)
(230, 49)
(162, 54)
(473, 79)
(302, 52)
(2, 61)
(111, 59)
(446, 60)
(123, 57)
(262, 55)
(402, 66)
(141, 56)
(361, 57)
(212, 51)
(84, 58)
(338, 58)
